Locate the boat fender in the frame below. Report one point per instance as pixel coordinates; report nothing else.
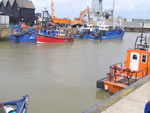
(147, 108)
(115, 69)
(130, 73)
(100, 83)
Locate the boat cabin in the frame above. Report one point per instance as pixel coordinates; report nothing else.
(138, 61)
(103, 27)
(87, 27)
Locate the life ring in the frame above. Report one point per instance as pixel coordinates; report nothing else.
(130, 73)
(116, 70)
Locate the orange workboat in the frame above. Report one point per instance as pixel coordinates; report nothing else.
(137, 66)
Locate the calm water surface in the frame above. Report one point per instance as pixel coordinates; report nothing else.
(59, 78)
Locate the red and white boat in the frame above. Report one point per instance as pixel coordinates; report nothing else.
(59, 37)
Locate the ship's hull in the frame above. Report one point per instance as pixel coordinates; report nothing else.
(110, 35)
(23, 38)
(17, 106)
(50, 39)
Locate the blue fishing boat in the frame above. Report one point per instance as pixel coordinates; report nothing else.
(17, 106)
(104, 35)
(101, 30)
(18, 35)
(100, 33)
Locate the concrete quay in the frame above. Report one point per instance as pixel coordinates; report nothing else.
(133, 103)
(130, 100)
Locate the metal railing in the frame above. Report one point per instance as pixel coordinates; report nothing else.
(112, 75)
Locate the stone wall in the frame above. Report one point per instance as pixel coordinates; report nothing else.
(4, 33)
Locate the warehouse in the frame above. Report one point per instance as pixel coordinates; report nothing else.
(19, 11)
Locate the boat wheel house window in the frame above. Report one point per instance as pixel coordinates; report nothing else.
(134, 57)
(144, 57)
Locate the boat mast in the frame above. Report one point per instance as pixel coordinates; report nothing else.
(142, 32)
(113, 9)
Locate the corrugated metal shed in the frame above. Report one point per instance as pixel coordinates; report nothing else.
(140, 20)
(126, 24)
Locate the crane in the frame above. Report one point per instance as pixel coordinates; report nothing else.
(79, 20)
(52, 7)
(58, 20)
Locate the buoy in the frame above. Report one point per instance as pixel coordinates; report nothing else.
(100, 83)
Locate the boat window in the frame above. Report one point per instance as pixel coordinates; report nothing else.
(134, 57)
(144, 57)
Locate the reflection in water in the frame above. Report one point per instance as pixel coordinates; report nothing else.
(51, 45)
(101, 95)
(60, 78)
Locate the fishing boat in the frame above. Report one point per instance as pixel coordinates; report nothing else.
(18, 35)
(136, 66)
(17, 106)
(101, 32)
(104, 35)
(53, 36)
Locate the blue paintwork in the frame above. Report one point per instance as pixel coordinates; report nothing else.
(77, 36)
(110, 35)
(29, 36)
(48, 32)
(147, 108)
(21, 104)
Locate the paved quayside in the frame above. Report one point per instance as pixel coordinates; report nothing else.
(130, 100)
(133, 103)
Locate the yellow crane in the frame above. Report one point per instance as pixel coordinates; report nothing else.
(58, 20)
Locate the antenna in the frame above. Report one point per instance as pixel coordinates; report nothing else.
(113, 9)
(101, 5)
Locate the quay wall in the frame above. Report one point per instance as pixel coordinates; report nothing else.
(102, 106)
(4, 33)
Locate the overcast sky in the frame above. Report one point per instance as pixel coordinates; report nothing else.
(71, 8)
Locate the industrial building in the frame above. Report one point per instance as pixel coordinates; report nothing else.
(18, 11)
(97, 14)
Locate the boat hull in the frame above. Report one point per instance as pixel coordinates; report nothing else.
(118, 34)
(48, 39)
(22, 38)
(21, 105)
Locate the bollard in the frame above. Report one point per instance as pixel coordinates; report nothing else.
(147, 108)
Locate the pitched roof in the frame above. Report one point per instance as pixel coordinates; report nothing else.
(4, 2)
(11, 2)
(25, 4)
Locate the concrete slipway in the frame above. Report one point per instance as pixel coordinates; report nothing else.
(129, 100)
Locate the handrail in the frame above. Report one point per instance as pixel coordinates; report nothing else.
(128, 73)
(120, 63)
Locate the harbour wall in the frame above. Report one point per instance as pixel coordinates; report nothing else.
(100, 107)
(4, 33)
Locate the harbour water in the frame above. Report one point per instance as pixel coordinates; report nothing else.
(59, 78)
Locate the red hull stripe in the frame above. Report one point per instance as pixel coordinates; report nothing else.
(58, 39)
